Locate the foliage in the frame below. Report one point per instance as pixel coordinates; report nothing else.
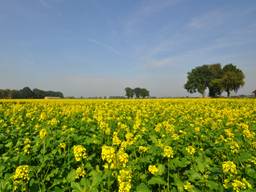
(128, 145)
(138, 92)
(232, 79)
(216, 79)
(27, 93)
(129, 92)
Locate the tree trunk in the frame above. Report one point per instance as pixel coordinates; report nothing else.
(203, 94)
(228, 93)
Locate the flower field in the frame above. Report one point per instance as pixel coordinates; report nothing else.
(128, 145)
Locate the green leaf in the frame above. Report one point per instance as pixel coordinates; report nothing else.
(178, 182)
(71, 176)
(161, 169)
(251, 172)
(156, 180)
(213, 185)
(142, 188)
(244, 156)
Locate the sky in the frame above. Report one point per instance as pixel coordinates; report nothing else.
(99, 47)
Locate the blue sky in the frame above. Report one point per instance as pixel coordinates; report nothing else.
(98, 47)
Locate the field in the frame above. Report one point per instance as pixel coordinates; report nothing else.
(128, 145)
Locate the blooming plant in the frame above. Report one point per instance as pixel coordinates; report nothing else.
(128, 145)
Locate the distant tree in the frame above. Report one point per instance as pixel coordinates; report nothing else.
(137, 92)
(232, 79)
(26, 93)
(129, 92)
(144, 93)
(39, 94)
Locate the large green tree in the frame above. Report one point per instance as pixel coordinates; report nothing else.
(198, 80)
(214, 78)
(232, 79)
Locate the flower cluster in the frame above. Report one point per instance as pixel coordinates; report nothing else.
(122, 157)
(237, 184)
(191, 150)
(80, 172)
(188, 186)
(21, 174)
(62, 146)
(124, 180)
(143, 149)
(27, 145)
(79, 152)
(153, 169)
(116, 140)
(108, 153)
(168, 152)
(42, 133)
(229, 167)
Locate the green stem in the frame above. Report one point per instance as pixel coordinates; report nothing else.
(168, 176)
(109, 181)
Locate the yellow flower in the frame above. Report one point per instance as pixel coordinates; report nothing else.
(191, 150)
(188, 186)
(168, 152)
(226, 183)
(247, 183)
(62, 145)
(238, 185)
(79, 152)
(123, 157)
(42, 133)
(21, 174)
(234, 147)
(143, 149)
(153, 169)
(53, 122)
(43, 116)
(248, 134)
(197, 129)
(229, 133)
(124, 180)
(27, 141)
(108, 153)
(124, 187)
(26, 148)
(229, 167)
(80, 172)
(116, 140)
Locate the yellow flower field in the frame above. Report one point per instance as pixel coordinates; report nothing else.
(128, 145)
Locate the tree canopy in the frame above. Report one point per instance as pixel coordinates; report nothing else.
(138, 92)
(27, 93)
(214, 78)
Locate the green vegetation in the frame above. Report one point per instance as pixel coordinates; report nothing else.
(216, 79)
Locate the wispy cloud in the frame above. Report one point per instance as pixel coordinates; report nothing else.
(104, 45)
(212, 18)
(146, 10)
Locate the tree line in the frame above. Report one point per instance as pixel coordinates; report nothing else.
(137, 92)
(215, 78)
(27, 93)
